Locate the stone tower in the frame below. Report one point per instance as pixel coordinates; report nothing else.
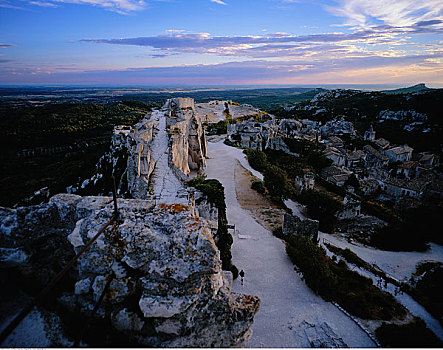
(370, 134)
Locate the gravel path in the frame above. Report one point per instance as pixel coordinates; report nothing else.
(290, 314)
(167, 187)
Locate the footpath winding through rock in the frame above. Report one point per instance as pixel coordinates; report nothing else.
(167, 186)
(290, 314)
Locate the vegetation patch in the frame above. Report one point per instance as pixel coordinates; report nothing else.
(426, 288)
(215, 193)
(335, 282)
(320, 206)
(82, 131)
(414, 334)
(259, 186)
(414, 229)
(257, 159)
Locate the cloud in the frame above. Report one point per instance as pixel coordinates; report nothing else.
(120, 6)
(278, 45)
(5, 46)
(7, 4)
(43, 3)
(220, 2)
(396, 13)
(248, 72)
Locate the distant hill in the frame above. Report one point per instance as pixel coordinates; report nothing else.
(414, 88)
(413, 118)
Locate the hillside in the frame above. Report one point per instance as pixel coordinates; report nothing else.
(414, 118)
(414, 88)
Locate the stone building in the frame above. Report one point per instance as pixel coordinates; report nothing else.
(407, 169)
(306, 182)
(397, 188)
(355, 159)
(351, 208)
(399, 153)
(374, 158)
(337, 176)
(334, 154)
(428, 160)
(382, 143)
(369, 186)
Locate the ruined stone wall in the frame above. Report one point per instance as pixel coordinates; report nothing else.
(139, 165)
(168, 287)
(188, 140)
(293, 225)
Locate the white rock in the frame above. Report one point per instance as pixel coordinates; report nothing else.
(83, 286)
(169, 327)
(75, 238)
(157, 306)
(125, 320)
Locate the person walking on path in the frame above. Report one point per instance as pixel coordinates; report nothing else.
(242, 275)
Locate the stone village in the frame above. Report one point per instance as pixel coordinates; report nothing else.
(168, 286)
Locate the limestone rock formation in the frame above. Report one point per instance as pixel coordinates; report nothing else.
(339, 127)
(250, 134)
(163, 149)
(167, 287)
(153, 157)
(290, 127)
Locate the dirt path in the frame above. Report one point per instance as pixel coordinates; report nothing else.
(259, 206)
(290, 314)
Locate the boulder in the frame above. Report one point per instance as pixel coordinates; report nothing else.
(167, 288)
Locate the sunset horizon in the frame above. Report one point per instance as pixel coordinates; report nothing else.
(214, 42)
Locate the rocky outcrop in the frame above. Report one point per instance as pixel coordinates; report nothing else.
(153, 157)
(167, 287)
(293, 225)
(290, 127)
(339, 127)
(278, 144)
(188, 140)
(251, 134)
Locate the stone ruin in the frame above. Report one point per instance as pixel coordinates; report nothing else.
(168, 144)
(168, 288)
(351, 208)
(293, 225)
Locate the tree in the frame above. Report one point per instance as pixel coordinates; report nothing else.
(276, 181)
(257, 159)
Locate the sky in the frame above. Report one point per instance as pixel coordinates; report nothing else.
(221, 42)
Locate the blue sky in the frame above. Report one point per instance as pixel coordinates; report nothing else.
(221, 41)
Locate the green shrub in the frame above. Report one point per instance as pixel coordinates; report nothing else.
(215, 193)
(320, 206)
(276, 181)
(257, 159)
(229, 143)
(313, 262)
(221, 127)
(259, 186)
(414, 334)
(334, 281)
(427, 290)
(278, 232)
